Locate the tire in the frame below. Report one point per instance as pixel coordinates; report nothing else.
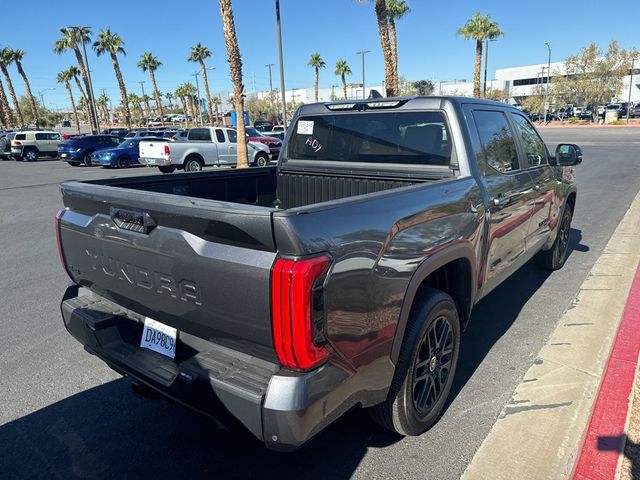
(30, 155)
(74, 164)
(167, 168)
(124, 162)
(87, 160)
(193, 164)
(425, 368)
(556, 256)
(261, 160)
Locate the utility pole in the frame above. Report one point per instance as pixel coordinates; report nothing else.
(270, 82)
(546, 101)
(363, 53)
(282, 90)
(630, 88)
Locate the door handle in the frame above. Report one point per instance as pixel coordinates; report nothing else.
(501, 200)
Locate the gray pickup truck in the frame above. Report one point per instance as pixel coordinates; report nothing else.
(280, 297)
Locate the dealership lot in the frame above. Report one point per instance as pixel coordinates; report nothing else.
(65, 414)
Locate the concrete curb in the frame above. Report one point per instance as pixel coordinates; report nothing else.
(541, 429)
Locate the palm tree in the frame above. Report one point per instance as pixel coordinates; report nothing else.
(181, 94)
(136, 103)
(342, 69)
(385, 44)
(169, 96)
(6, 58)
(189, 91)
(150, 63)
(316, 62)
(479, 28)
(235, 65)
(70, 39)
(102, 103)
(18, 55)
(216, 103)
(6, 111)
(396, 9)
(198, 53)
(112, 44)
(75, 73)
(65, 78)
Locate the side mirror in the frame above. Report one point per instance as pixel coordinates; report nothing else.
(568, 154)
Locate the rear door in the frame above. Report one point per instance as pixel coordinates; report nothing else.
(510, 193)
(207, 149)
(543, 177)
(53, 142)
(224, 150)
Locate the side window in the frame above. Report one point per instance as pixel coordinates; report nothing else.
(201, 134)
(42, 136)
(20, 136)
(233, 136)
(498, 145)
(54, 136)
(220, 136)
(115, 141)
(531, 142)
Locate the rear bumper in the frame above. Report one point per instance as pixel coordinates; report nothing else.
(156, 162)
(283, 409)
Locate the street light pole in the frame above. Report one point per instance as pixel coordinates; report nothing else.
(199, 101)
(270, 81)
(92, 107)
(546, 102)
(282, 90)
(363, 53)
(630, 88)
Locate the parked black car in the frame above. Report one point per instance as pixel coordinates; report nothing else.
(586, 114)
(635, 111)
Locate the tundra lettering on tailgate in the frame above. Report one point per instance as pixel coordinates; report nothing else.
(161, 283)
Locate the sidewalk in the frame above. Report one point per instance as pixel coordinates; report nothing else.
(544, 430)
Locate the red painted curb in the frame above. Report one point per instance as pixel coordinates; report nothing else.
(604, 436)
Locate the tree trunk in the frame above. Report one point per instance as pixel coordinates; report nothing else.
(316, 84)
(123, 90)
(235, 65)
(6, 111)
(73, 106)
(157, 95)
(12, 92)
(476, 73)
(383, 29)
(32, 100)
(85, 77)
(145, 99)
(344, 86)
(394, 53)
(184, 111)
(205, 79)
(86, 100)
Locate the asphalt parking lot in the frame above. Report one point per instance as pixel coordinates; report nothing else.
(63, 414)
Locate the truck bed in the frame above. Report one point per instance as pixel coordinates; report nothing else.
(264, 187)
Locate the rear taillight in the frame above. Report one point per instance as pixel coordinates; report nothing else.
(166, 150)
(59, 241)
(16, 142)
(297, 309)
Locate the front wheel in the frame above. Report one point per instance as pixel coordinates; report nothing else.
(167, 168)
(261, 160)
(87, 160)
(425, 368)
(556, 256)
(124, 162)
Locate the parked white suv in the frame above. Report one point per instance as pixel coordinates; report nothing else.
(30, 145)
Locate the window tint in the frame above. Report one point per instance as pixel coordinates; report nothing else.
(42, 136)
(20, 136)
(200, 134)
(233, 136)
(498, 145)
(54, 136)
(220, 136)
(417, 138)
(533, 145)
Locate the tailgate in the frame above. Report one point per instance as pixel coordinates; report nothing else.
(152, 149)
(200, 266)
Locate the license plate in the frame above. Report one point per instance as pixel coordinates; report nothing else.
(63, 155)
(151, 161)
(159, 337)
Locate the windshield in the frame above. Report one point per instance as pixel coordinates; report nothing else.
(128, 143)
(417, 138)
(252, 132)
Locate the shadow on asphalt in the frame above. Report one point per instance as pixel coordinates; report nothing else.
(494, 315)
(107, 432)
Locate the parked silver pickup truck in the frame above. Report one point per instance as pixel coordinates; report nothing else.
(204, 146)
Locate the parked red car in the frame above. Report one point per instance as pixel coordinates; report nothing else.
(273, 143)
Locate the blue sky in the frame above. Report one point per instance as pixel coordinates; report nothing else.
(427, 41)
